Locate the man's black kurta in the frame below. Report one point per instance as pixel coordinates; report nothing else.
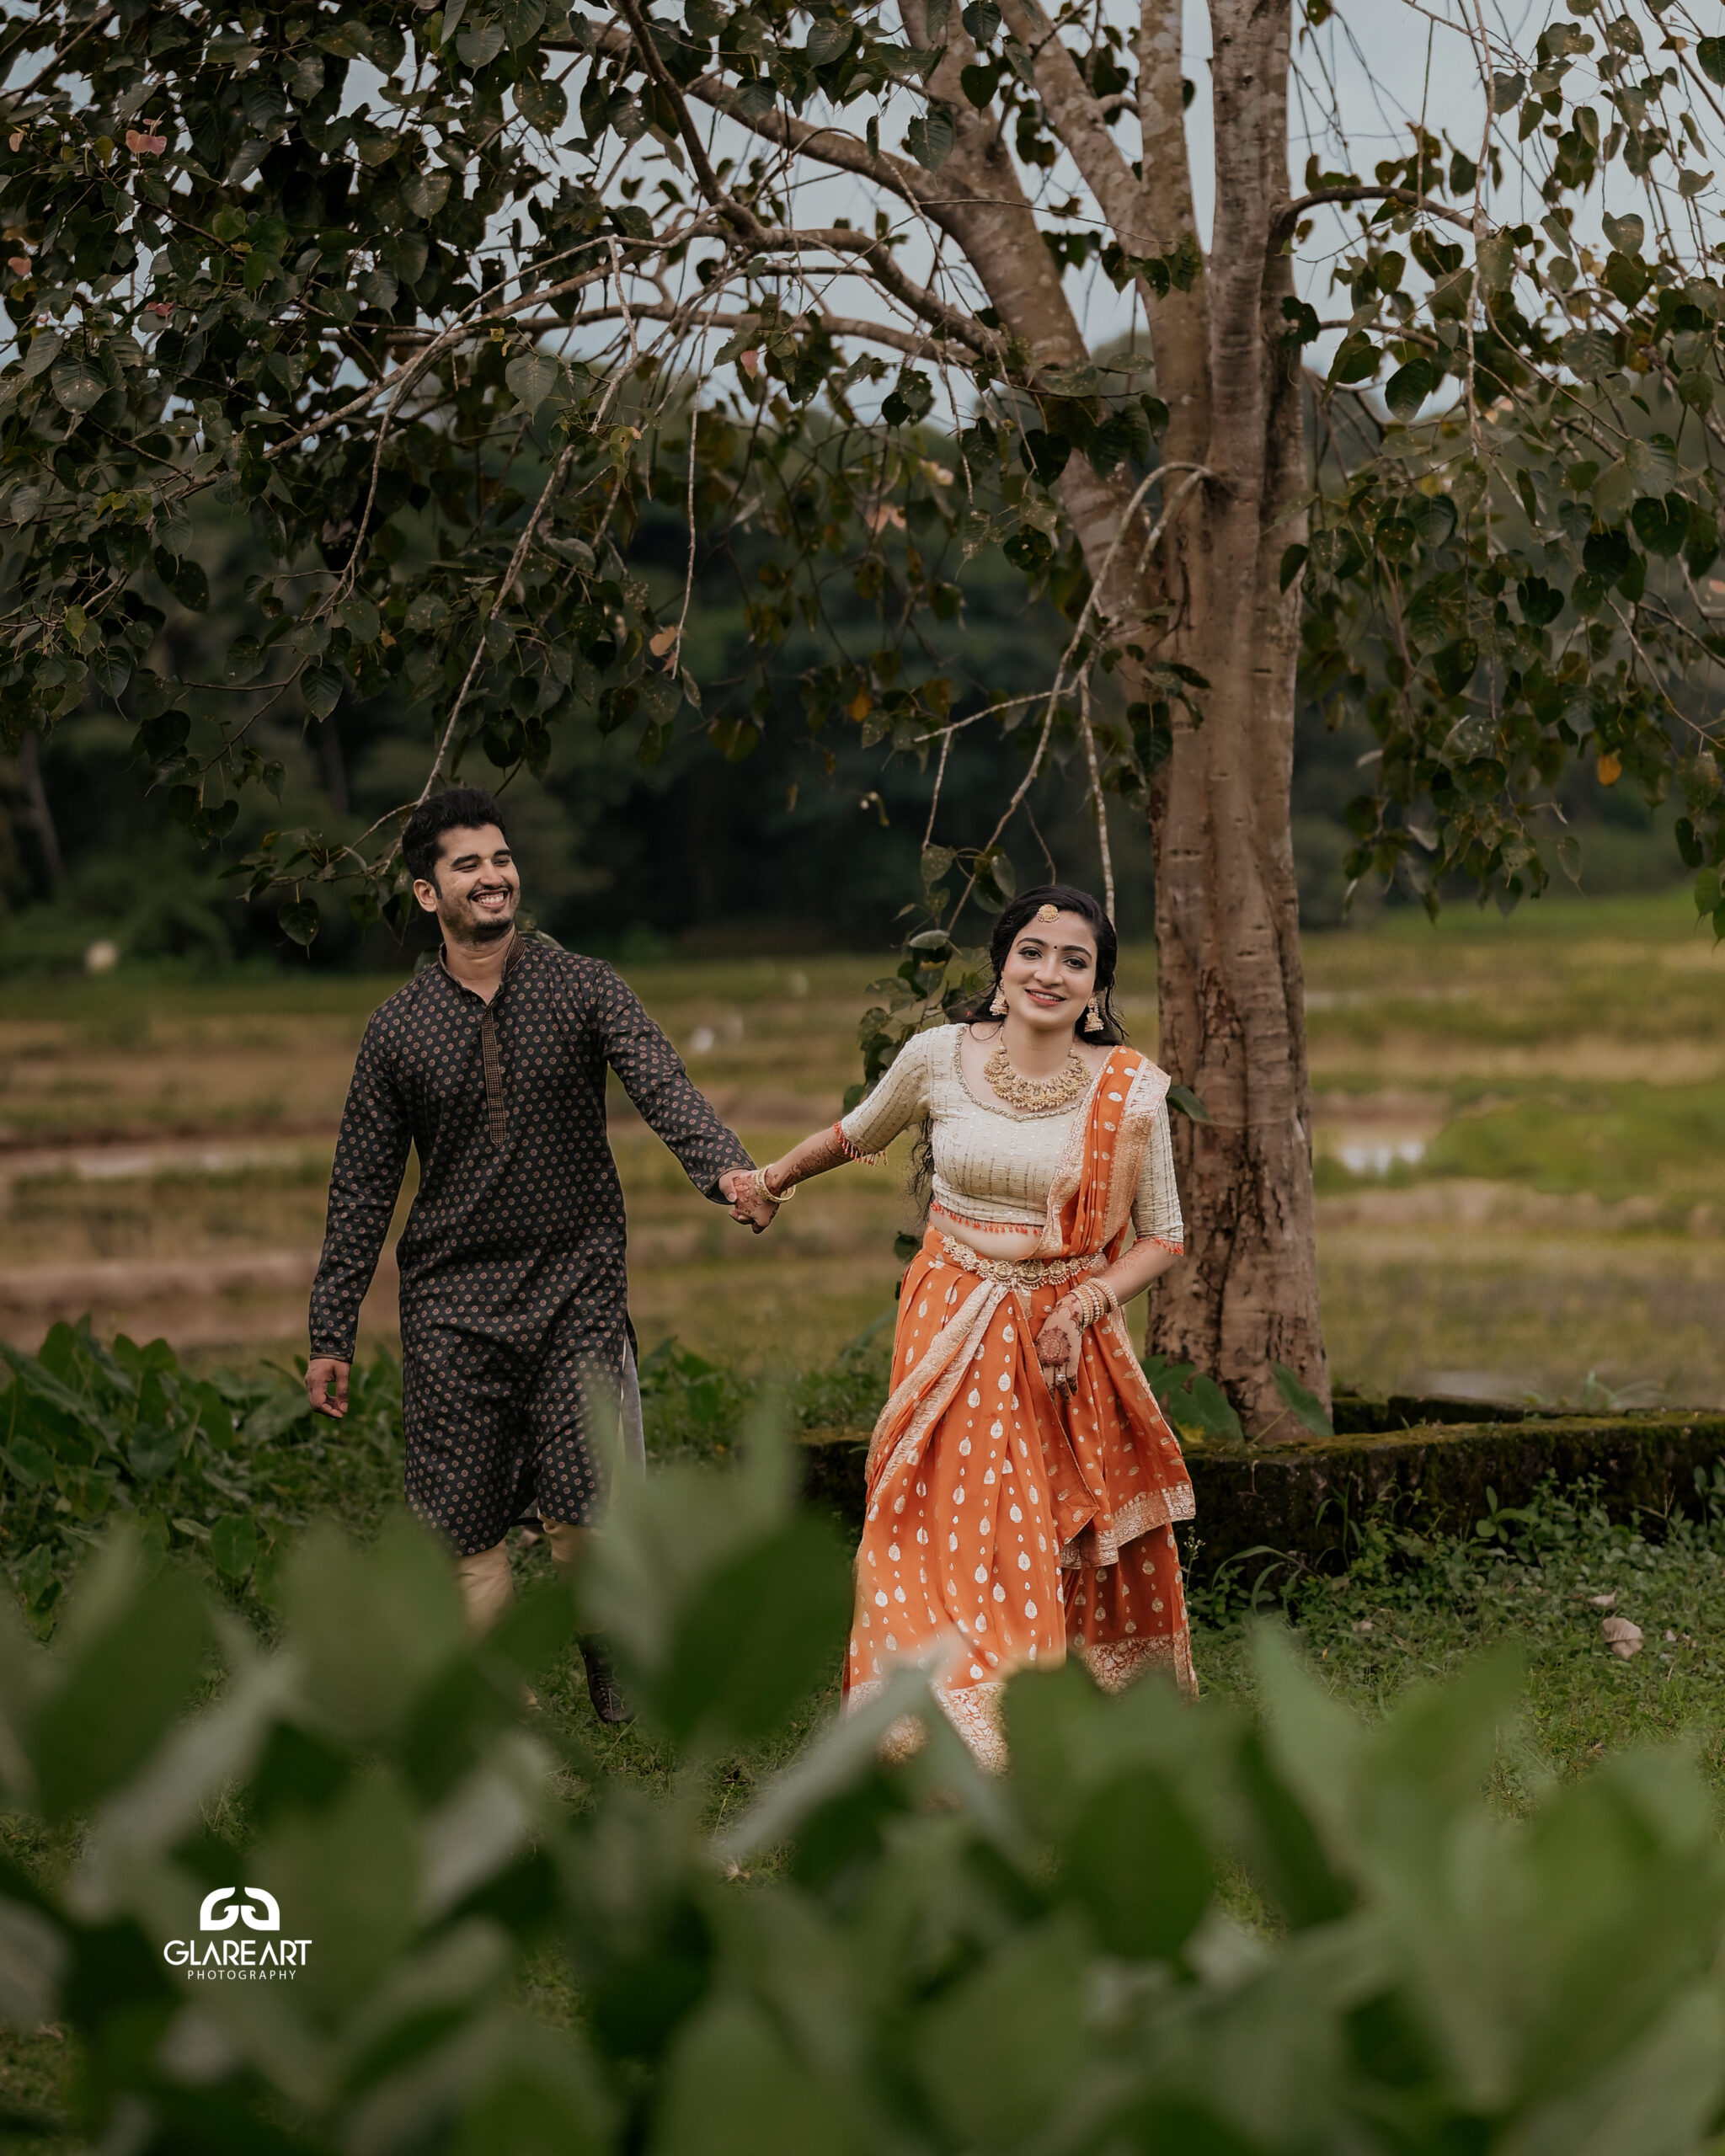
(513, 1290)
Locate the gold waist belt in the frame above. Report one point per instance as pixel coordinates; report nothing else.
(1022, 1272)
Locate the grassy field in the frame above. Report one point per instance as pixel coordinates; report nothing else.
(1523, 1189)
(1520, 1123)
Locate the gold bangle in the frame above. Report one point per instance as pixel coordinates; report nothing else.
(1094, 1301)
(773, 1197)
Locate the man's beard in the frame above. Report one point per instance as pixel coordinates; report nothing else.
(475, 927)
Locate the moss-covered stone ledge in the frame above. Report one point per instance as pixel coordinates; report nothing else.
(1301, 1500)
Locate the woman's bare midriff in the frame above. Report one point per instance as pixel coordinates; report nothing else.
(987, 1242)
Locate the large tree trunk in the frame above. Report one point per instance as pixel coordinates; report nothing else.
(1227, 926)
(1231, 990)
(1227, 917)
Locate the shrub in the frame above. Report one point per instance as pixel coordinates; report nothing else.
(215, 1468)
(906, 1959)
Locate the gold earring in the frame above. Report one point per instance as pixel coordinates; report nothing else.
(999, 1006)
(1093, 1018)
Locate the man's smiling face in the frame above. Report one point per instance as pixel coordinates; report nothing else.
(475, 889)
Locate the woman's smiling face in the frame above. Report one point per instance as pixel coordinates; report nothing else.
(1050, 971)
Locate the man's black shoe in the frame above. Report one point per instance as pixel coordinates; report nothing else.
(610, 1701)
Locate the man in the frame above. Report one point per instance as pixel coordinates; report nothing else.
(517, 1373)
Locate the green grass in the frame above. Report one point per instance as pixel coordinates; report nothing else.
(1412, 1608)
(1620, 1141)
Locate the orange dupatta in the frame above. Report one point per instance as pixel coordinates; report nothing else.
(1002, 1523)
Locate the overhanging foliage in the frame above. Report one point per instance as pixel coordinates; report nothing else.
(425, 295)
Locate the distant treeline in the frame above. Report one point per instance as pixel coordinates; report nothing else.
(802, 843)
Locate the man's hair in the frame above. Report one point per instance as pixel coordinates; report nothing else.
(460, 808)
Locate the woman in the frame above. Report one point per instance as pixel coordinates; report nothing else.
(1022, 1481)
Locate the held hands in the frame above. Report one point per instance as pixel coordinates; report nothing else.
(326, 1386)
(1057, 1346)
(737, 1187)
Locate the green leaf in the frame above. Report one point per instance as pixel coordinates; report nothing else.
(1626, 277)
(1661, 526)
(375, 1626)
(186, 579)
(733, 2086)
(532, 376)
(1201, 1404)
(428, 614)
(480, 46)
(1135, 1863)
(1588, 353)
(931, 136)
(1186, 1102)
(757, 1638)
(999, 2053)
(1707, 891)
(378, 287)
(1455, 665)
(77, 382)
(130, 1657)
(1410, 385)
(1044, 454)
(173, 529)
(321, 686)
(1357, 359)
(426, 193)
(111, 670)
(359, 618)
(536, 2093)
(244, 661)
(1293, 560)
(302, 921)
(29, 1459)
(1307, 1407)
(40, 352)
(1709, 53)
(233, 1543)
(522, 20)
(159, 739)
(1608, 555)
(542, 104)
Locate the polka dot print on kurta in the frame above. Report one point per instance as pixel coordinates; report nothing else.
(514, 1289)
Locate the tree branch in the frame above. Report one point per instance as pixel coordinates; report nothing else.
(1284, 220)
(1076, 115)
(830, 145)
(840, 239)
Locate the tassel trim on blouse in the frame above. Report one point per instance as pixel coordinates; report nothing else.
(851, 1153)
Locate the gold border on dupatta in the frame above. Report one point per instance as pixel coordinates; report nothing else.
(973, 1709)
(944, 1364)
(1115, 1664)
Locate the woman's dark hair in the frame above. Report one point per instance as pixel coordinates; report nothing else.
(1013, 921)
(456, 809)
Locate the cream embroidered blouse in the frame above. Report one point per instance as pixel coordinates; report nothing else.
(994, 1164)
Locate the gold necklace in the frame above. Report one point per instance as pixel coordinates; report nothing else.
(1037, 1096)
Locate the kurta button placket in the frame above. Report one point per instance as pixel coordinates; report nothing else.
(496, 1110)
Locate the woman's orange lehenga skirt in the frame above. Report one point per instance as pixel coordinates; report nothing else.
(1004, 1525)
